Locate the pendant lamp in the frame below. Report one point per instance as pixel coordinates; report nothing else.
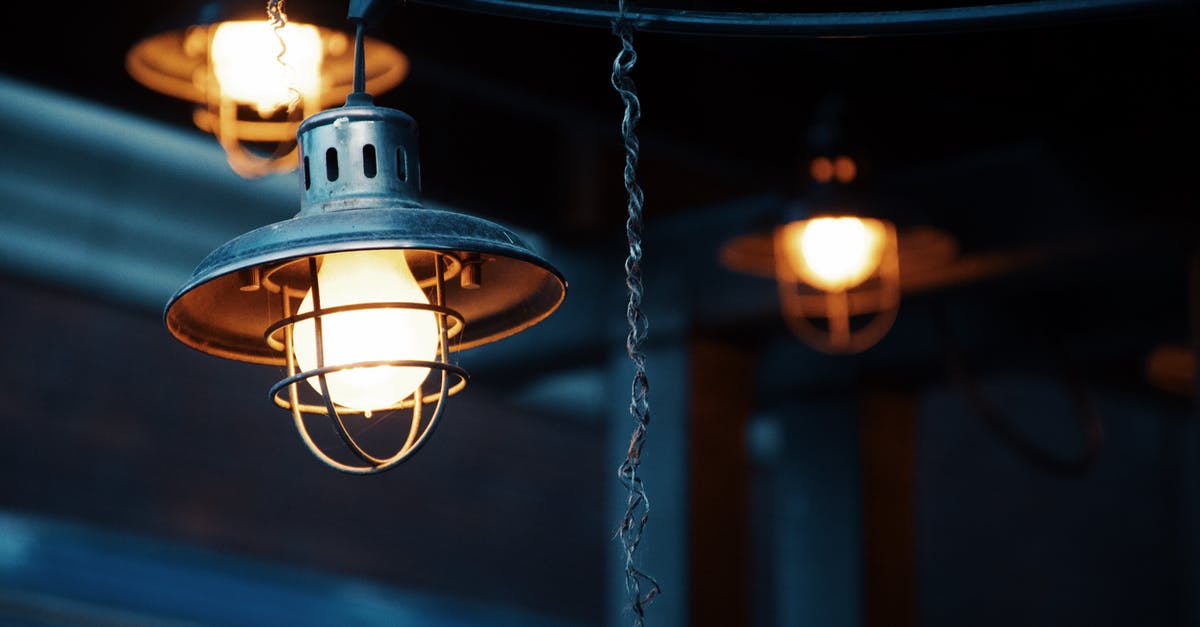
(253, 79)
(365, 294)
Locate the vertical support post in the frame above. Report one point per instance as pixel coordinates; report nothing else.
(722, 400)
(816, 531)
(888, 439)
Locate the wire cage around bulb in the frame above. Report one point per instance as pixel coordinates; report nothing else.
(922, 259)
(846, 314)
(296, 279)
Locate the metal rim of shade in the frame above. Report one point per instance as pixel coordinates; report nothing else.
(222, 311)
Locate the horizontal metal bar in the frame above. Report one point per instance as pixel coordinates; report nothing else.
(819, 25)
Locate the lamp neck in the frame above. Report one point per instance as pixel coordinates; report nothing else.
(358, 156)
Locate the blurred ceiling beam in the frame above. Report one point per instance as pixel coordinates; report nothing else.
(117, 205)
(113, 204)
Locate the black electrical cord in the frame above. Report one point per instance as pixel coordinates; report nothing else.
(1090, 424)
(982, 17)
(363, 14)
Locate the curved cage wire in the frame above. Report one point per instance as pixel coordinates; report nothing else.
(253, 147)
(424, 405)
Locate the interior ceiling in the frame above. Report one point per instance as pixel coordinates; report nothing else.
(519, 121)
(1026, 140)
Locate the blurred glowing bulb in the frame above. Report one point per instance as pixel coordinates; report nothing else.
(246, 61)
(834, 253)
(368, 334)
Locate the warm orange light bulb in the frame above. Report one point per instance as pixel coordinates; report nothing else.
(246, 62)
(368, 334)
(834, 253)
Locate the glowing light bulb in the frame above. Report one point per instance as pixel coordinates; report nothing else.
(834, 253)
(369, 334)
(245, 59)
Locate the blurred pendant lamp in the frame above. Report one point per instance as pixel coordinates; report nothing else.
(837, 270)
(255, 76)
(835, 263)
(363, 295)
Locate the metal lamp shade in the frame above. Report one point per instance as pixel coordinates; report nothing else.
(214, 313)
(360, 191)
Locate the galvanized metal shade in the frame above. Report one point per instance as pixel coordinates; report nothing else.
(219, 310)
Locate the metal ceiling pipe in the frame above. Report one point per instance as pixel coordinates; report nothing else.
(905, 22)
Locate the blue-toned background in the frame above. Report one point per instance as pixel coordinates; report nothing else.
(145, 483)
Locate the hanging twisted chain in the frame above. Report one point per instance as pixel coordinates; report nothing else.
(637, 505)
(278, 19)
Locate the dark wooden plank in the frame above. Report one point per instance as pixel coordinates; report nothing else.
(722, 398)
(888, 440)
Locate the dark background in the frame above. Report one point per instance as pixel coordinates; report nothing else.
(792, 487)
